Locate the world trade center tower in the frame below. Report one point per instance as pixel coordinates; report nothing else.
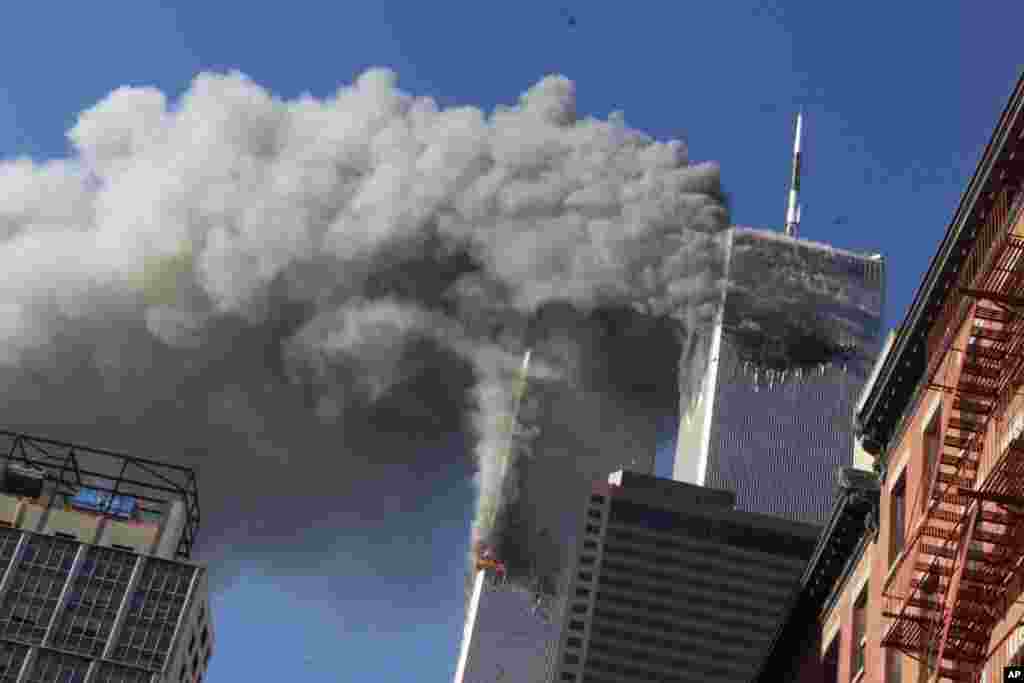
(791, 348)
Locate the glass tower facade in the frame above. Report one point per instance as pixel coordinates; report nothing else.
(797, 335)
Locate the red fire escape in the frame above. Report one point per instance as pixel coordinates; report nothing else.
(949, 588)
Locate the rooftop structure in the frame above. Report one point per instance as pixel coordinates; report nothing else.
(95, 586)
(97, 496)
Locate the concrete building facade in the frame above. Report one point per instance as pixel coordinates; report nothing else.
(96, 583)
(671, 583)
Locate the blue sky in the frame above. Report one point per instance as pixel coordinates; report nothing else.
(899, 104)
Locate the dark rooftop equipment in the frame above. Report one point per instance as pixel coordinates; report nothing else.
(22, 480)
(121, 486)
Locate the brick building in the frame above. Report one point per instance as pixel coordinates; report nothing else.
(931, 592)
(96, 582)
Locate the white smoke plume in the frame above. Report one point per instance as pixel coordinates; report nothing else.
(244, 278)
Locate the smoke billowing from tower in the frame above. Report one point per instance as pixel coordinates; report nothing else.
(320, 293)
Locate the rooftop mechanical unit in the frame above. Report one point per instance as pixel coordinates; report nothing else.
(23, 480)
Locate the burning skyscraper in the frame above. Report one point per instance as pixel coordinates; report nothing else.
(792, 346)
(513, 612)
(794, 338)
(771, 358)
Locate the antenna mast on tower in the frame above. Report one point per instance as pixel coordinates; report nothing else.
(793, 209)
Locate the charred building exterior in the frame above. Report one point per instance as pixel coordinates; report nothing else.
(511, 630)
(504, 635)
(792, 346)
(97, 586)
(672, 584)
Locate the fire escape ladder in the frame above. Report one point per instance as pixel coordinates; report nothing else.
(945, 606)
(958, 610)
(928, 551)
(968, 612)
(947, 589)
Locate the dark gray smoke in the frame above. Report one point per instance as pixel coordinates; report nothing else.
(603, 411)
(302, 297)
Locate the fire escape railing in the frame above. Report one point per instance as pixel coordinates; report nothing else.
(921, 613)
(997, 226)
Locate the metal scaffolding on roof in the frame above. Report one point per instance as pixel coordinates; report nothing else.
(70, 467)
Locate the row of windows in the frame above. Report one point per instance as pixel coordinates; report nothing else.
(596, 514)
(578, 625)
(204, 646)
(587, 564)
(616, 552)
(730, 669)
(602, 615)
(690, 547)
(660, 609)
(739, 586)
(35, 587)
(57, 667)
(714, 597)
(634, 673)
(73, 537)
(11, 659)
(718, 530)
(9, 539)
(114, 673)
(151, 619)
(93, 601)
(685, 638)
(898, 522)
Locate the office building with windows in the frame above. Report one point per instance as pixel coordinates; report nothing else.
(796, 335)
(672, 584)
(96, 583)
(932, 591)
(804, 648)
(510, 632)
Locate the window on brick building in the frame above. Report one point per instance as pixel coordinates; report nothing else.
(897, 518)
(860, 610)
(932, 448)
